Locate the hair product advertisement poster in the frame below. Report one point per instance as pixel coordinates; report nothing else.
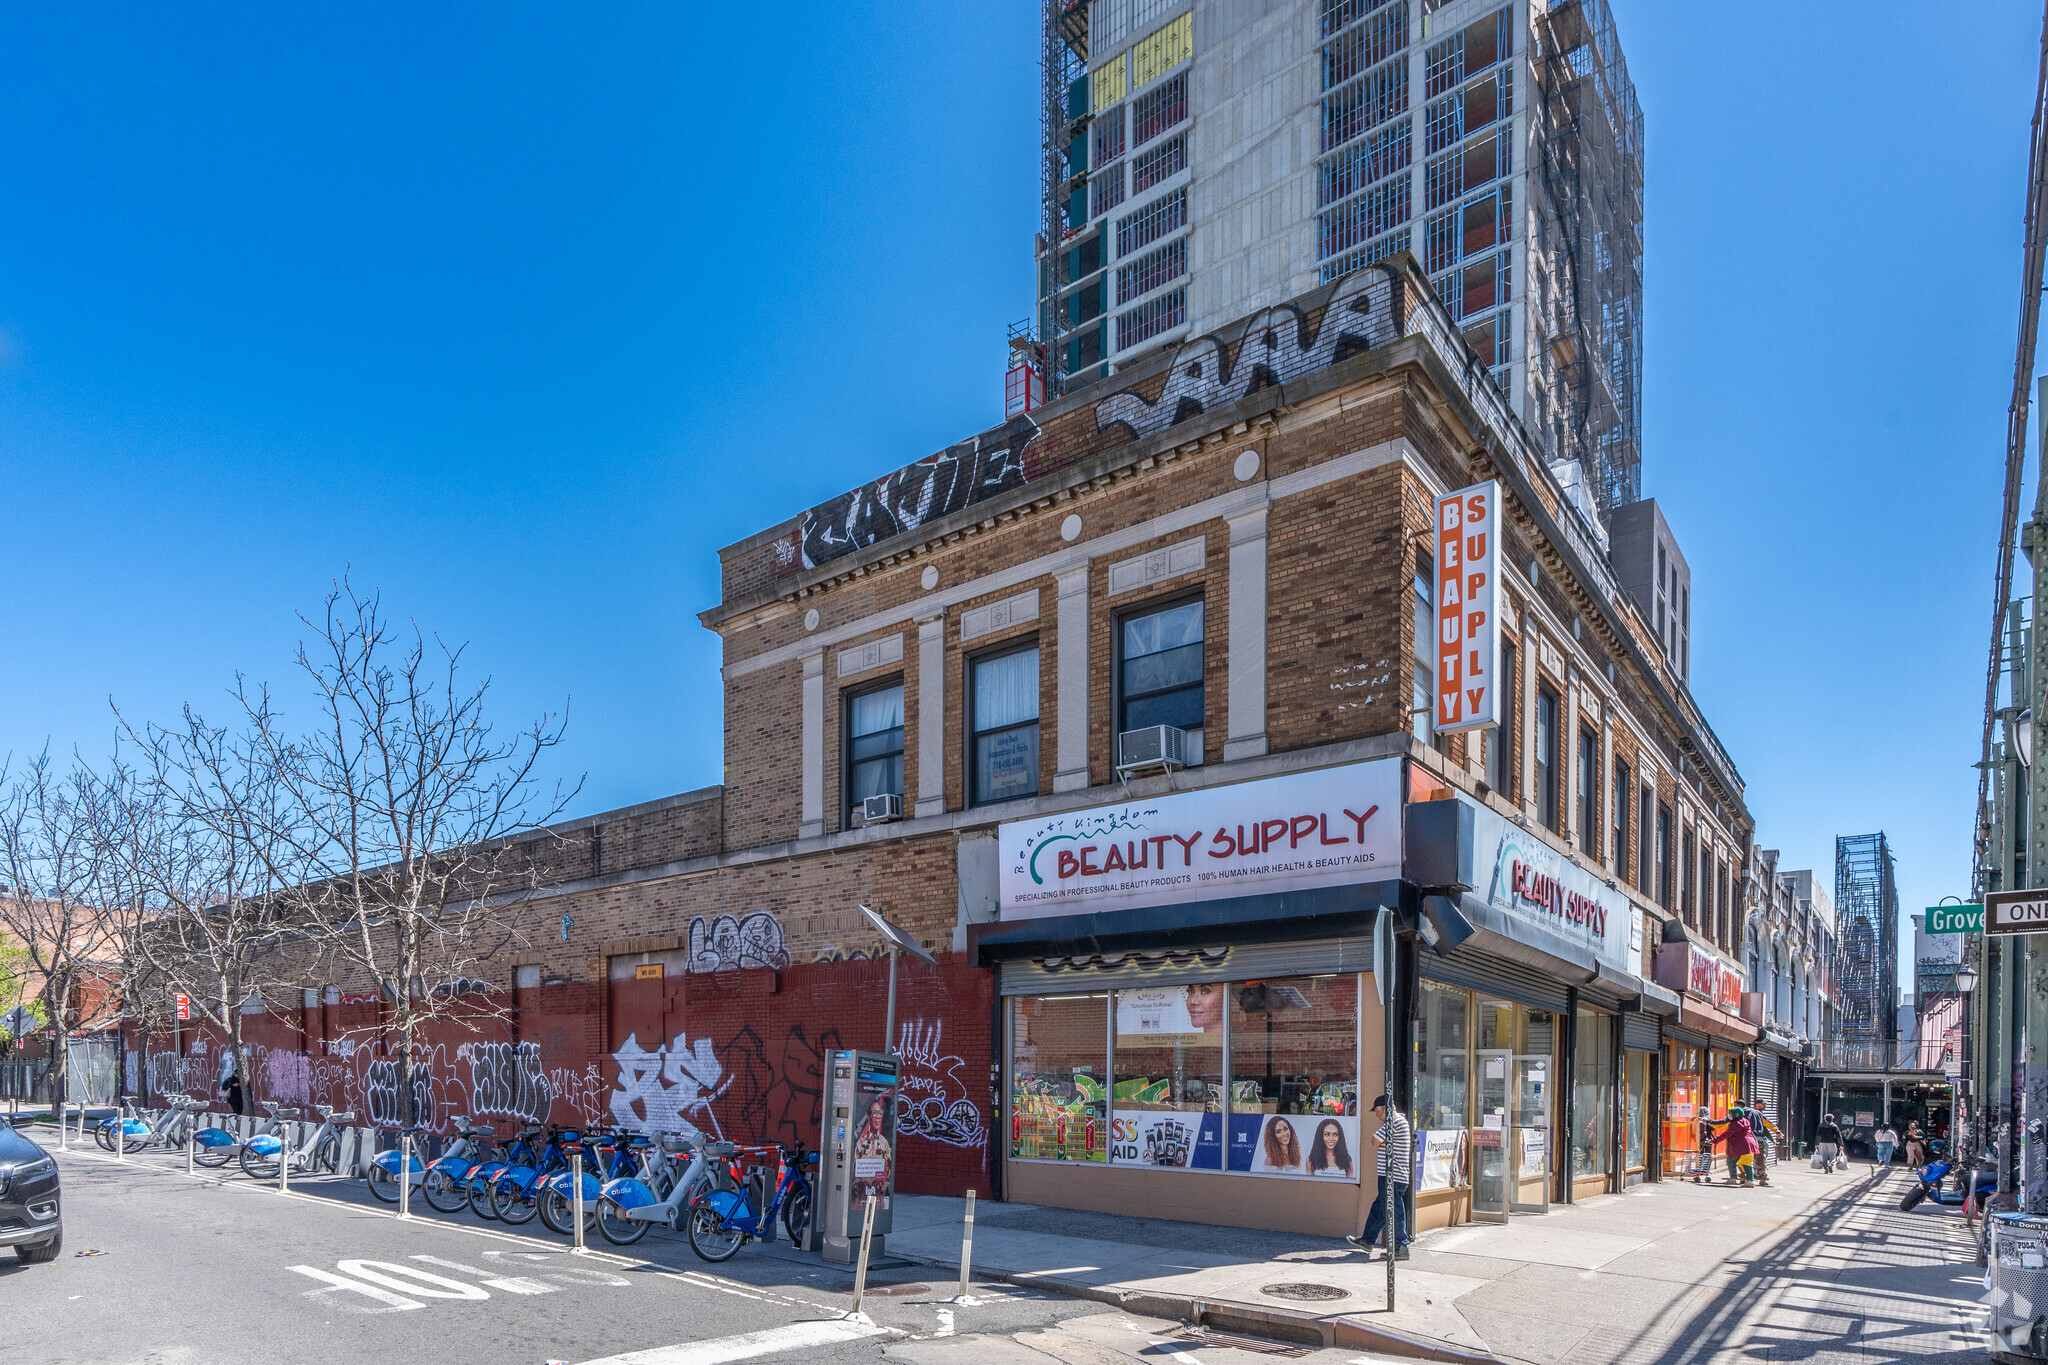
(1171, 1011)
(1187, 1140)
(1308, 1146)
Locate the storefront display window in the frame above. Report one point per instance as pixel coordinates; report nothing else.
(1593, 1095)
(1294, 1077)
(1684, 1094)
(1059, 1065)
(1167, 1099)
(1442, 1042)
(1635, 1130)
(1722, 1075)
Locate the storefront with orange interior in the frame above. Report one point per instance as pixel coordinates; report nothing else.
(1704, 1047)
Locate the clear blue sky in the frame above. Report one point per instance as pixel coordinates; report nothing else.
(523, 313)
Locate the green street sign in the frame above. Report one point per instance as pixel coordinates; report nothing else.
(1955, 919)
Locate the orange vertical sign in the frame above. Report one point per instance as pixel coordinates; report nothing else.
(1467, 626)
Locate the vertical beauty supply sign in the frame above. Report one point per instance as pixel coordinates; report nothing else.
(1467, 626)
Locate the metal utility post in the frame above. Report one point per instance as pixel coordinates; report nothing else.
(898, 942)
(1387, 948)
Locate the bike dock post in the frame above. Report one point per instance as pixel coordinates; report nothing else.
(860, 1271)
(405, 1175)
(191, 1140)
(576, 1203)
(967, 1245)
(284, 1167)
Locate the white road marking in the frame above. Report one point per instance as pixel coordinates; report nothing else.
(409, 1280)
(395, 1303)
(509, 1284)
(747, 1345)
(945, 1322)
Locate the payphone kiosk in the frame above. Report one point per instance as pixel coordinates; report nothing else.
(857, 1154)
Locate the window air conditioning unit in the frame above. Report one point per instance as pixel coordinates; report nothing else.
(880, 810)
(1155, 746)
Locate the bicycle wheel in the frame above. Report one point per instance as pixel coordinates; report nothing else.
(213, 1158)
(104, 1136)
(615, 1227)
(259, 1167)
(510, 1204)
(796, 1215)
(443, 1190)
(555, 1210)
(327, 1156)
(383, 1182)
(480, 1198)
(711, 1237)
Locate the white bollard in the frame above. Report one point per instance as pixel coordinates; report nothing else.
(576, 1202)
(120, 1138)
(63, 1130)
(284, 1167)
(967, 1245)
(860, 1272)
(191, 1141)
(405, 1175)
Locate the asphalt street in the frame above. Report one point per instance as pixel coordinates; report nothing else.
(160, 1268)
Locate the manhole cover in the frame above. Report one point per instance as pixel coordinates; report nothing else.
(1310, 1293)
(1207, 1336)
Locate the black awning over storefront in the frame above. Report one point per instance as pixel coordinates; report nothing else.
(1326, 912)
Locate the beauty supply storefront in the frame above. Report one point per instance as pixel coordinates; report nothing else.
(1191, 1025)
(1535, 1039)
(1704, 1048)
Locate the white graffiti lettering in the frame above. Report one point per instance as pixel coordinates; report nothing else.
(725, 944)
(669, 1089)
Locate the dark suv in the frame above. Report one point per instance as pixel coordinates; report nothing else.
(31, 1220)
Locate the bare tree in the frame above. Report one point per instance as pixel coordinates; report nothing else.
(52, 864)
(404, 815)
(202, 837)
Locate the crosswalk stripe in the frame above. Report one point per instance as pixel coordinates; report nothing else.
(747, 1345)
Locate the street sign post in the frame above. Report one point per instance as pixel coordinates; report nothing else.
(2016, 912)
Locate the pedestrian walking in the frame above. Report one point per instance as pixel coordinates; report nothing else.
(1740, 1139)
(1886, 1142)
(1396, 1161)
(1768, 1140)
(1827, 1143)
(1916, 1145)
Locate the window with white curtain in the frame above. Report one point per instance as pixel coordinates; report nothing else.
(874, 744)
(1003, 753)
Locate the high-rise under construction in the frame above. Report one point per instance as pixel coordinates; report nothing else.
(1206, 158)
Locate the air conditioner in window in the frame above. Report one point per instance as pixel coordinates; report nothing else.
(1156, 746)
(880, 810)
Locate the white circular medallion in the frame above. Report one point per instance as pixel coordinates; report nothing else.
(811, 619)
(930, 578)
(1247, 466)
(1070, 529)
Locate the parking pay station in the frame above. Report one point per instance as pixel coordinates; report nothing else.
(858, 1154)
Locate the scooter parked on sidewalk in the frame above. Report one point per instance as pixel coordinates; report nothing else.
(1983, 1182)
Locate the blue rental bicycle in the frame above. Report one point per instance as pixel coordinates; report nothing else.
(515, 1192)
(725, 1220)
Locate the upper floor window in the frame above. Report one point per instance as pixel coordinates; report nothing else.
(874, 744)
(1624, 796)
(1589, 793)
(1687, 876)
(1159, 670)
(1422, 696)
(1500, 741)
(1546, 757)
(1004, 724)
(1664, 855)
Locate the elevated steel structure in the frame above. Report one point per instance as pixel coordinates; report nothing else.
(1867, 909)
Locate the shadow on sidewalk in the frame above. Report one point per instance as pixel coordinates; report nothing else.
(1895, 1285)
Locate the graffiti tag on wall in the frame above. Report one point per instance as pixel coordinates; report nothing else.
(934, 1093)
(725, 944)
(936, 486)
(508, 1078)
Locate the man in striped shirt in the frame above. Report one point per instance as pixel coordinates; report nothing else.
(1396, 1139)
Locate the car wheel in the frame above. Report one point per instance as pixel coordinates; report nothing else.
(42, 1251)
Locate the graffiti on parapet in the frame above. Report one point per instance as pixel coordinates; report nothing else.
(935, 1100)
(669, 1088)
(937, 486)
(1278, 346)
(841, 955)
(287, 1076)
(508, 1078)
(725, 944)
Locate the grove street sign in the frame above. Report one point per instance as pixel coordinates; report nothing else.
(2016, 912)
(1955, 919)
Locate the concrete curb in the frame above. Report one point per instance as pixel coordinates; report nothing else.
(1331, 1330)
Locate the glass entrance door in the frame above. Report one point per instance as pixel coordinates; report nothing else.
(1529, 1134)
(1490, 1137)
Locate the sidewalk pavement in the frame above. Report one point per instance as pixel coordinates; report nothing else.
(1670, 1274)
